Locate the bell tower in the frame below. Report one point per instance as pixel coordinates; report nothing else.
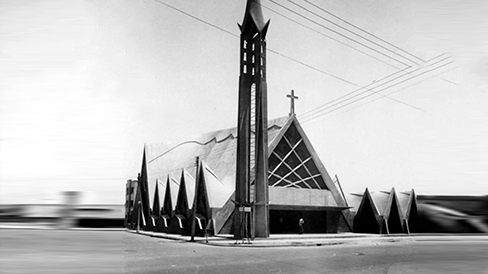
(252, 147)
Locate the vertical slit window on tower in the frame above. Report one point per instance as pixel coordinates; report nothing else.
(244, 69)
(252, 46)
(245, 44)
(253, 59)
(252, 71)
(244, 57)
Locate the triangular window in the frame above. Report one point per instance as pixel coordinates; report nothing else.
(291, 164)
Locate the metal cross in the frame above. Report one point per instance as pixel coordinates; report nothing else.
(292, 98)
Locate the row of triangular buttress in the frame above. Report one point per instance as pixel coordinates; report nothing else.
(412, 220)
(201, 203)
(144, 194)
(156, 206)
(394, 214)
(367, 219)
(156, 213)
(179, 222)
(182, 204)
(167, 209)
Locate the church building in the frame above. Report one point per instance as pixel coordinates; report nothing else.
(258, 178)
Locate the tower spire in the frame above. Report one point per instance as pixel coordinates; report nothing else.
(253, 21)
(254, 11)
(252, 124)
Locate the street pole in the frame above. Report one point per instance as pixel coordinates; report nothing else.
(138, 216)
(195, 198)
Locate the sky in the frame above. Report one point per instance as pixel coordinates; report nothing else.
(84, 84)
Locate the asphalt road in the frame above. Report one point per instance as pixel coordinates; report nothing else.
(53, 251)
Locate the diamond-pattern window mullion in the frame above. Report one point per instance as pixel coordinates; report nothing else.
(299, 158)
(282, 161)
(306, 179)
(292, 170)
(280, 179)
(296, 174)
(286, 156)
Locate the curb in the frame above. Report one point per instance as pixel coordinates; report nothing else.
(282, 242)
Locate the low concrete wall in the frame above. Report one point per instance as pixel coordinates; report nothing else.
(303, 197)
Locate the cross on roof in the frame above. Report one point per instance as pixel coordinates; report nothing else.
(292, 99)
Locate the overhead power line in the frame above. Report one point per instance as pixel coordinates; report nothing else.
(376, 84)
(338, 33)
(280, 54)
(357, 34)
(327, 36)
(348, 100)
(363, 30)
(269, 49)
(347, 45)
(374, 100)
(196, 18)
(351, 102)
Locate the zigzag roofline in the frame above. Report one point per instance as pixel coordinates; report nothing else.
(213, 136)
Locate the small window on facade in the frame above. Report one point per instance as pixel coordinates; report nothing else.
(252, 46)
(245, 57)
(252, 72)
(245, 44)
(253, 59)
(244, 69)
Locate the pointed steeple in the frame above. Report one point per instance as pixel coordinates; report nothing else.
(253, 18)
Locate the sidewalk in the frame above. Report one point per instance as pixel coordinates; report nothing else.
(282, 240)
(286, 240)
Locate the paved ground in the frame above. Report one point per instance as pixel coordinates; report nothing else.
(55, 251)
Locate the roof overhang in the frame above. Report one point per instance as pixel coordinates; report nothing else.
(307, 208)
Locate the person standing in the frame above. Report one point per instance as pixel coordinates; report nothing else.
(301, 222)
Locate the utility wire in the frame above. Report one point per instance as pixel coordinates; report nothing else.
(196, 18)
(271, 50)
(338, 33)
(377, 83)
(313, 116)
(374, 100)
(334, 39)
(350, 31)
(328, 36)
(363, 30)
(280, 54)
(356, 90)
(321, 114)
